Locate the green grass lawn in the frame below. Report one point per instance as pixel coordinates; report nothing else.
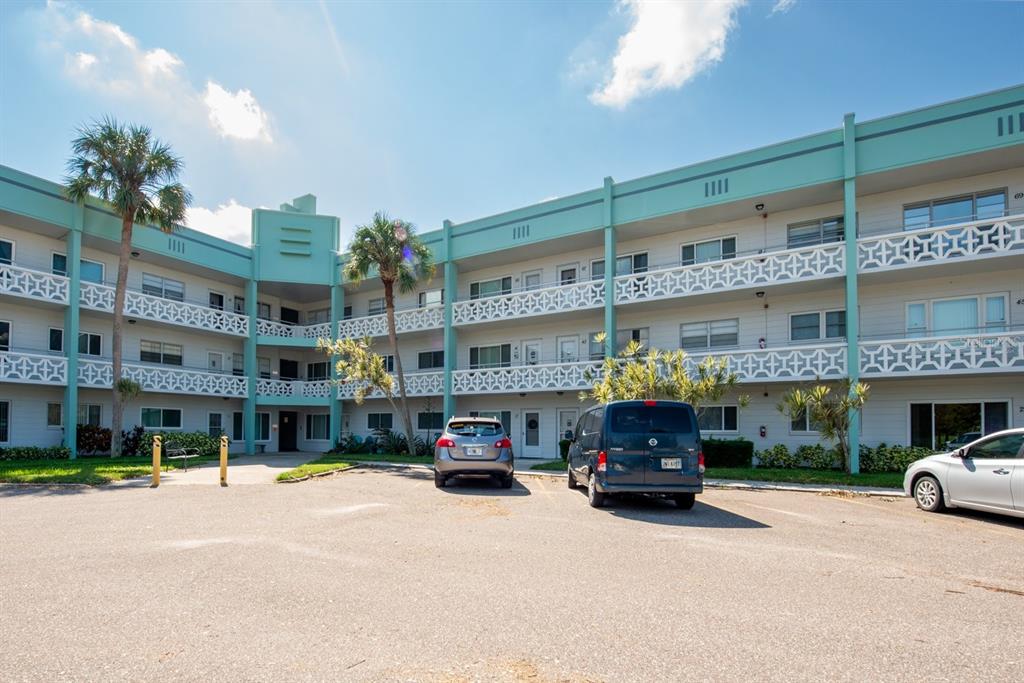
(793, 476)
(335, 461)
(84, 470)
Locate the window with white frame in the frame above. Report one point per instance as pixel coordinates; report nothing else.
(321, 315)
(818, 231)
(817, 325)
(802, 424)
(486, 288)
(316, 427)
(958, 316)
(502, 416)
(263, 426)
(164, 353)
(262, 310)
(89, 344)
(161, 418)
(163, 287)
(432, 297)
(568, 274)
(6, 252)
(317, 371)
(718, 418)
(379, 421)
(5, 421)
(494, 356)
(216, 301)
(240, 305)
(710, 334)
(263, 368)
(215, 424)
(709, 250)
(5, 335)
(941, 424)
(346, 313)
(532, 280)
(976, 206)
(237, 364)
(376, 306)
(90, 271)
(55, 415)
(430, 421)
(237, 427)
(431, 360)
(627, 264)
(90, 414)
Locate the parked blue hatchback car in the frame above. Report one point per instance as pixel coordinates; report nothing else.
(647, 447)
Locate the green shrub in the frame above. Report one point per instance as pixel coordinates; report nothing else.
(884, 458)
(201, 441)
(92, 439)
(817, 457)
(131, 441)
(563, 448)
(727, 452)
(777, 456)
(35, 453)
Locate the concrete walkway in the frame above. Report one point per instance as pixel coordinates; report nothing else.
(243, 470)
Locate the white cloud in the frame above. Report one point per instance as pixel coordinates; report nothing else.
(236, 115)
(667, 44)
(101, 56)
(782, 6)
(230, 221)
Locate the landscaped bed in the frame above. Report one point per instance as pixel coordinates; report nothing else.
(83, 470)
(340, 461)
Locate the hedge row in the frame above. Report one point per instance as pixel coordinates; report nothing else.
(727, 452)
(35, 453)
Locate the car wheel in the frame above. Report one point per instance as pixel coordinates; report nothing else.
(594, 497)
(440, 480)
(571, 477)
(506, 482)
(684, 501)
(928, 494)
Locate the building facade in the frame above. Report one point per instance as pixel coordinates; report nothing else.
(889, 250)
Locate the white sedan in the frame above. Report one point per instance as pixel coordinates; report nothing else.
(986, 474)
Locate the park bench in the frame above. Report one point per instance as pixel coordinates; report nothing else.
(174, 450)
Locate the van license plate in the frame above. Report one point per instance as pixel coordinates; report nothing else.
(474, 450)
(671, 463)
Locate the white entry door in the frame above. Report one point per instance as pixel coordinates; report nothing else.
(566, 423)
(531, 352)
(215, 361)
(531, 434)
(568, 349)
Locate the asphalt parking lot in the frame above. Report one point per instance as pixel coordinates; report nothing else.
(377, 575)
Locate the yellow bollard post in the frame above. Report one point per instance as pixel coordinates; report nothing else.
(157, 446)
(224, 460)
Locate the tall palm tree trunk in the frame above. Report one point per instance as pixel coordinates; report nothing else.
(389, 304)
(119, 296)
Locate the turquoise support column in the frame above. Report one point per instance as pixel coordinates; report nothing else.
(852, 310)
(450, 338)
(249, 405)
(337, 315)
(610, 329)
(71, 326)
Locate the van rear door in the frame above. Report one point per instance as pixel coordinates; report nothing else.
(626, 430)
(673, 444)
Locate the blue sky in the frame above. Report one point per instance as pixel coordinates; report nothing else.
(462, 110)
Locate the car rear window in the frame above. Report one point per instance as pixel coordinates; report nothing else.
(651, 419)
(475, 428)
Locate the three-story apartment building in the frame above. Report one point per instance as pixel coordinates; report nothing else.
(889, 250)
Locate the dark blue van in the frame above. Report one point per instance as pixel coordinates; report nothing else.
(650, 447)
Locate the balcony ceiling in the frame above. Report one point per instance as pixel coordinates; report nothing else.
(21, 222)
(301, 293)
(944, 169)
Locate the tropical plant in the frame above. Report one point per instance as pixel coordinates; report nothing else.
(401, 259)
(638, 374)
(777, 456)
(357, 363)
(126, 167)
(828, 407)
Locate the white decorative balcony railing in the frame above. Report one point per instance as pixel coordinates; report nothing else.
(138, 305)
(826, 361)
(409, 320)
(973, 240)
(280, 388)
(416, 384)
(775, 267)
(272, 328)
(978, 353)
(555, 299)
(523, 378)
(33, 284)
(161, 379)
(32, 368)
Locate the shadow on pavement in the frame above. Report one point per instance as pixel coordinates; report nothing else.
(982, 516)
(660, 511)
(483, 486)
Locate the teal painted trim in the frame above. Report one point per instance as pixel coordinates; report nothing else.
(451, 282)
(852, 306)
(319, 401)
(610, 328)
(71, 328)
(337, 314)
(251, 368)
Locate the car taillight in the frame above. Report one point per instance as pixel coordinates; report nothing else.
(445, 443)
(602, 462)
(503, 443)
(700, 462)
(650, 403)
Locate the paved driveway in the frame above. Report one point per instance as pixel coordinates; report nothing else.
(374, 575)
(242, 470)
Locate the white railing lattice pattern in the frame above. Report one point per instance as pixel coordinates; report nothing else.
(977, 239)
(993, 352)
(280, 388)
(138, 305)
(168, 380)
(33, 284)
(410, 320)
(32, 368)
(416, 384)
(577, 296)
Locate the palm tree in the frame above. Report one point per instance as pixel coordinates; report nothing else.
(125, 166)
(392, 247)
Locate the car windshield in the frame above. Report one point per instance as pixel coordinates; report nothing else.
(475, 428)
